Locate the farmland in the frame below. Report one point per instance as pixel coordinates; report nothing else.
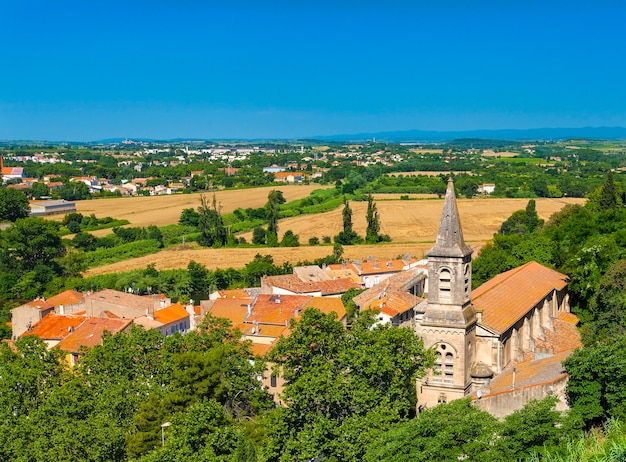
(411, 224)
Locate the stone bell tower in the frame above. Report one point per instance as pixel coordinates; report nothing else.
(449, 322)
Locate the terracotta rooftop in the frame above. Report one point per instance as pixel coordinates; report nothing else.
(529, 374)
(507, 297)
(89, 333)
(55, 327)
(69, 297)
(293, 283)
(233, 309)
(122, 298)
(260, 349)
(570, 318)
(381, 266)
(172, 313)
(327, 305)
(404, 280)
(234, 293)
(277, 309)
(564, 338)
(394, 302)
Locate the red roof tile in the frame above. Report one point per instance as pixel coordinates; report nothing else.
(529, 373)
(171, 313)
(510, 295)
(69, 297)
(90, 332)
(55, 327)
(327, 305)
(277, 309)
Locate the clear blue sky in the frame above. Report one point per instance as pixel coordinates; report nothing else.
(94, 69)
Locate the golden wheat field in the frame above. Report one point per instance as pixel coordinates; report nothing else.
(166, 209)
(411, 224)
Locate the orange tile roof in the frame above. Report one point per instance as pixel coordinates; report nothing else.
(233, 309)
(55, 327)
(394, 302)
(564, 338)
(570, 318)
(387, 266)
(89, 333)
(509, 296)
(69, 297)
(234, 293)
(529, 374)
(122, 298)
(260, 349)
(172, 313)
(292, 283)
(277, 309)
(327, 305)
(39, 304)
(265, 330)
(337, 286)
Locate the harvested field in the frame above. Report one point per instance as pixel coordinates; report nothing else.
(412, 225)
(166, 209)
(418, 221)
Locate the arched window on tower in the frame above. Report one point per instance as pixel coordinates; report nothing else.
(466, 280)
(444, 365)
(444, 285)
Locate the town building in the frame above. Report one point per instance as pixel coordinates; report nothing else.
(502, 343)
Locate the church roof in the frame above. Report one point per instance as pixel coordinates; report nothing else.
(509, 296)
(450, 241)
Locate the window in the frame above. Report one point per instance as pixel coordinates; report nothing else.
(444, 285)
(466, 280)
(273, 381)
(444, 365)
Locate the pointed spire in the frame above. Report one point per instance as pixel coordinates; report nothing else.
(450, 241)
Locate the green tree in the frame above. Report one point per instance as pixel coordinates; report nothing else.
(609, 196)
(595, 388)
(258, 235)
(373, 224)
(274, 199)
(30, 242)
(39, 190)
(448, 432)
(211, 225)
(347, 236)
(342, 387)
(189, 217)
(74, 191)
(290, 239)
(13, 204)
(534, 427)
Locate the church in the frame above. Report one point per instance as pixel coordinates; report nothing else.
(502, 343)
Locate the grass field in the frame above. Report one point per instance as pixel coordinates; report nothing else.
(411, 224)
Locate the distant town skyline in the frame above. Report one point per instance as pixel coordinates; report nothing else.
(277, 69)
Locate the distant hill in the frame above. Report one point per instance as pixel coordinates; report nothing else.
(602, 133)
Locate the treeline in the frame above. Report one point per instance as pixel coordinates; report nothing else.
(349, 395)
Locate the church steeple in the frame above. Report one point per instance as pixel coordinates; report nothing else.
(450, 241)
(449, 321)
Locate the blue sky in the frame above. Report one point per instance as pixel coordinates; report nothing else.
(88, 70)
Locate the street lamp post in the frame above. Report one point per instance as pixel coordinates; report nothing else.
(163, 427)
